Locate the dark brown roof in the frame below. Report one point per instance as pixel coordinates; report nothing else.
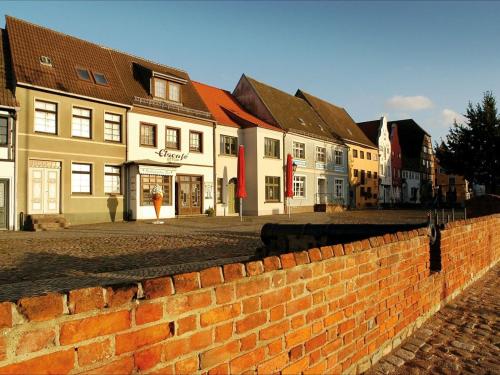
(28, 42)
(7, 98)
(292, 113)
(370, 128)
(136, 74)
(411, 139)
(339, 121)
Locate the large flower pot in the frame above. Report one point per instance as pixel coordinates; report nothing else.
(157, 201)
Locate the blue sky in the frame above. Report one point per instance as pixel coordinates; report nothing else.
(424, 60)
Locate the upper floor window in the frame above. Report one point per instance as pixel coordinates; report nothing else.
(375, 175)
(4, 131)
(321, 154)
(148, 135)
(45, 117)
(299, 150)
(164, 89)
(100, 78)
(368, 156)
(228, 145)
(83, 74)
(362, 154)
(81, 122)
(363, 174)
(272, 148)
(299, 186)
(112, 127)
(369, 174)
(354, 153)
(195, 141)
(339, 157)
(339, 188)
(172, 138)
(356, 173)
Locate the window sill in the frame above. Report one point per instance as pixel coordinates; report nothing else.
(272, 202)
(196, 151)
(83, 138)
(272, 157)
(111, 141)
(148, 146)
(45, 133)
(228, 155)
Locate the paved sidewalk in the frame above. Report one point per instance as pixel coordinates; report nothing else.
(462, 338)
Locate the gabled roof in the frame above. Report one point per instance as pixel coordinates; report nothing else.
(29, 42)
(7, 98)
(136, 74)
(226, 110)
(371, 128)
(337, 118)
(292, 114)
(411, 138)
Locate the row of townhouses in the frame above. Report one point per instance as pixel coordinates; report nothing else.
(86, 131)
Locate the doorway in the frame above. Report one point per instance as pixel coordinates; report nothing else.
(321, 196)
(232, 204)
(189, 195)
(44, 191)
(4, 204)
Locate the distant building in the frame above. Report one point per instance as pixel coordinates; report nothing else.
(396, 164)
(378, 132)
(451, 189)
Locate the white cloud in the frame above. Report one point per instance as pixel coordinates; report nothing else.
(448, 116)
(409, 103)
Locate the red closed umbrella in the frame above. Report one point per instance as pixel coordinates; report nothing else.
(241, 191)
(289, 176)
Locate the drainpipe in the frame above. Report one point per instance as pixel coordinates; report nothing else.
(283, 173)
(214, 192)
(13, 121)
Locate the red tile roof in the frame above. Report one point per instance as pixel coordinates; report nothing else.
(7, 98)
(226, 109)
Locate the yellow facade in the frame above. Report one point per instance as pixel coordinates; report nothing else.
(53, 154)
(363, 176)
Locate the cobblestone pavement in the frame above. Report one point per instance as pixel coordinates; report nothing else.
(37, 262)
(462, 338)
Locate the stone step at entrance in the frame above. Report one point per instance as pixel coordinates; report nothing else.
(45, 222)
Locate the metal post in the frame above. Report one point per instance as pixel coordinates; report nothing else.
(465, 213)
(288, 199)
(453, 214)
(442, 215)
(448, 218)
(241, 209)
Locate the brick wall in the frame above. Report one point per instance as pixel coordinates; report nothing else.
(326, 310)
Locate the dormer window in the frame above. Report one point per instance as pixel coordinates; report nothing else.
(166, 90)
(83, 74)
(100, 78)
(45, 60)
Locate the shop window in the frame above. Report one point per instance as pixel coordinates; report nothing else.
(273, 189)
(81, 178)
(112, 179)
(147, 183)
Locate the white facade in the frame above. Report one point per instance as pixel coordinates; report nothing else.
(258, 167)
(7, 172)
(411, 186)
(188, 174)
(385, 168)
(318, 179)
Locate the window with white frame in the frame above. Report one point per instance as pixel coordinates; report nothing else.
(80, 123)
(174, 92)
(321, 154)
(4, 131)
(112, 127)
(299, 186)
(272, 148)
(160, 88)
(195, 141)
(299, 150)
(112, 179)
(339, 188)
(45, 117)
(229, 145)
(172, 138)
(273, 190)
(81, 177)
(339, 157)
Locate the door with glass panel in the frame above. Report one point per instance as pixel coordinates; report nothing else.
(4, 204)
(44, 191)
(189, 194)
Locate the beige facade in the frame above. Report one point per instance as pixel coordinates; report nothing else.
(55, 165)
(363, 175)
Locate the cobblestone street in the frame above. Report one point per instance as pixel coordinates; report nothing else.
(38, 262)
(462, 338)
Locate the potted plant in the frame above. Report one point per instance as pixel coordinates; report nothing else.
(157, 196)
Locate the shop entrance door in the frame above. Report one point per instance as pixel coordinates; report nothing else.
(189, 197)
(4, 204)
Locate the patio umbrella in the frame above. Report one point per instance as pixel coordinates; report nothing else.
(289, 180)
(241, 191)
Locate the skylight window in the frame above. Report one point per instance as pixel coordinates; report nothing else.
(100, 78)
(83, 74)
(302, 122)
(45, 60)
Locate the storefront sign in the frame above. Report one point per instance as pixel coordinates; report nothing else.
(157, 171)
(171, 156)
(320, 165)
(300, 162)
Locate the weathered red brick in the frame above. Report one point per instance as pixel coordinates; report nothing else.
(159, 287)
(233, 271)
(298, 336)
(301, 257)
(275, 347)
(187, 282)
(297, 367)
(274, 331)
(326, 252)
(53, 363)
(251, 305)
(315, 342)
(34, 341)
(219, 355)
(148, 312)
(220, 370)
(187, 366)
(130, 341)
(122, 366)
(5, 315)
(148, 358)
(87, 299)
(273, 365)
(223, 332)
(271, 263)
(94, 352)
(186, 324)
(211, 276)
(252, 286)
(301, 304)
(100, 325)
(315, 255)
(220, 314)
(338, 250)
(247, 361)
(224, 294)
(3, 348)
(248, 342)
(118, 296)
(275, 298)
(182, 303)
(42, 307)
(287, 260)
(254, 268)
(251, 321)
